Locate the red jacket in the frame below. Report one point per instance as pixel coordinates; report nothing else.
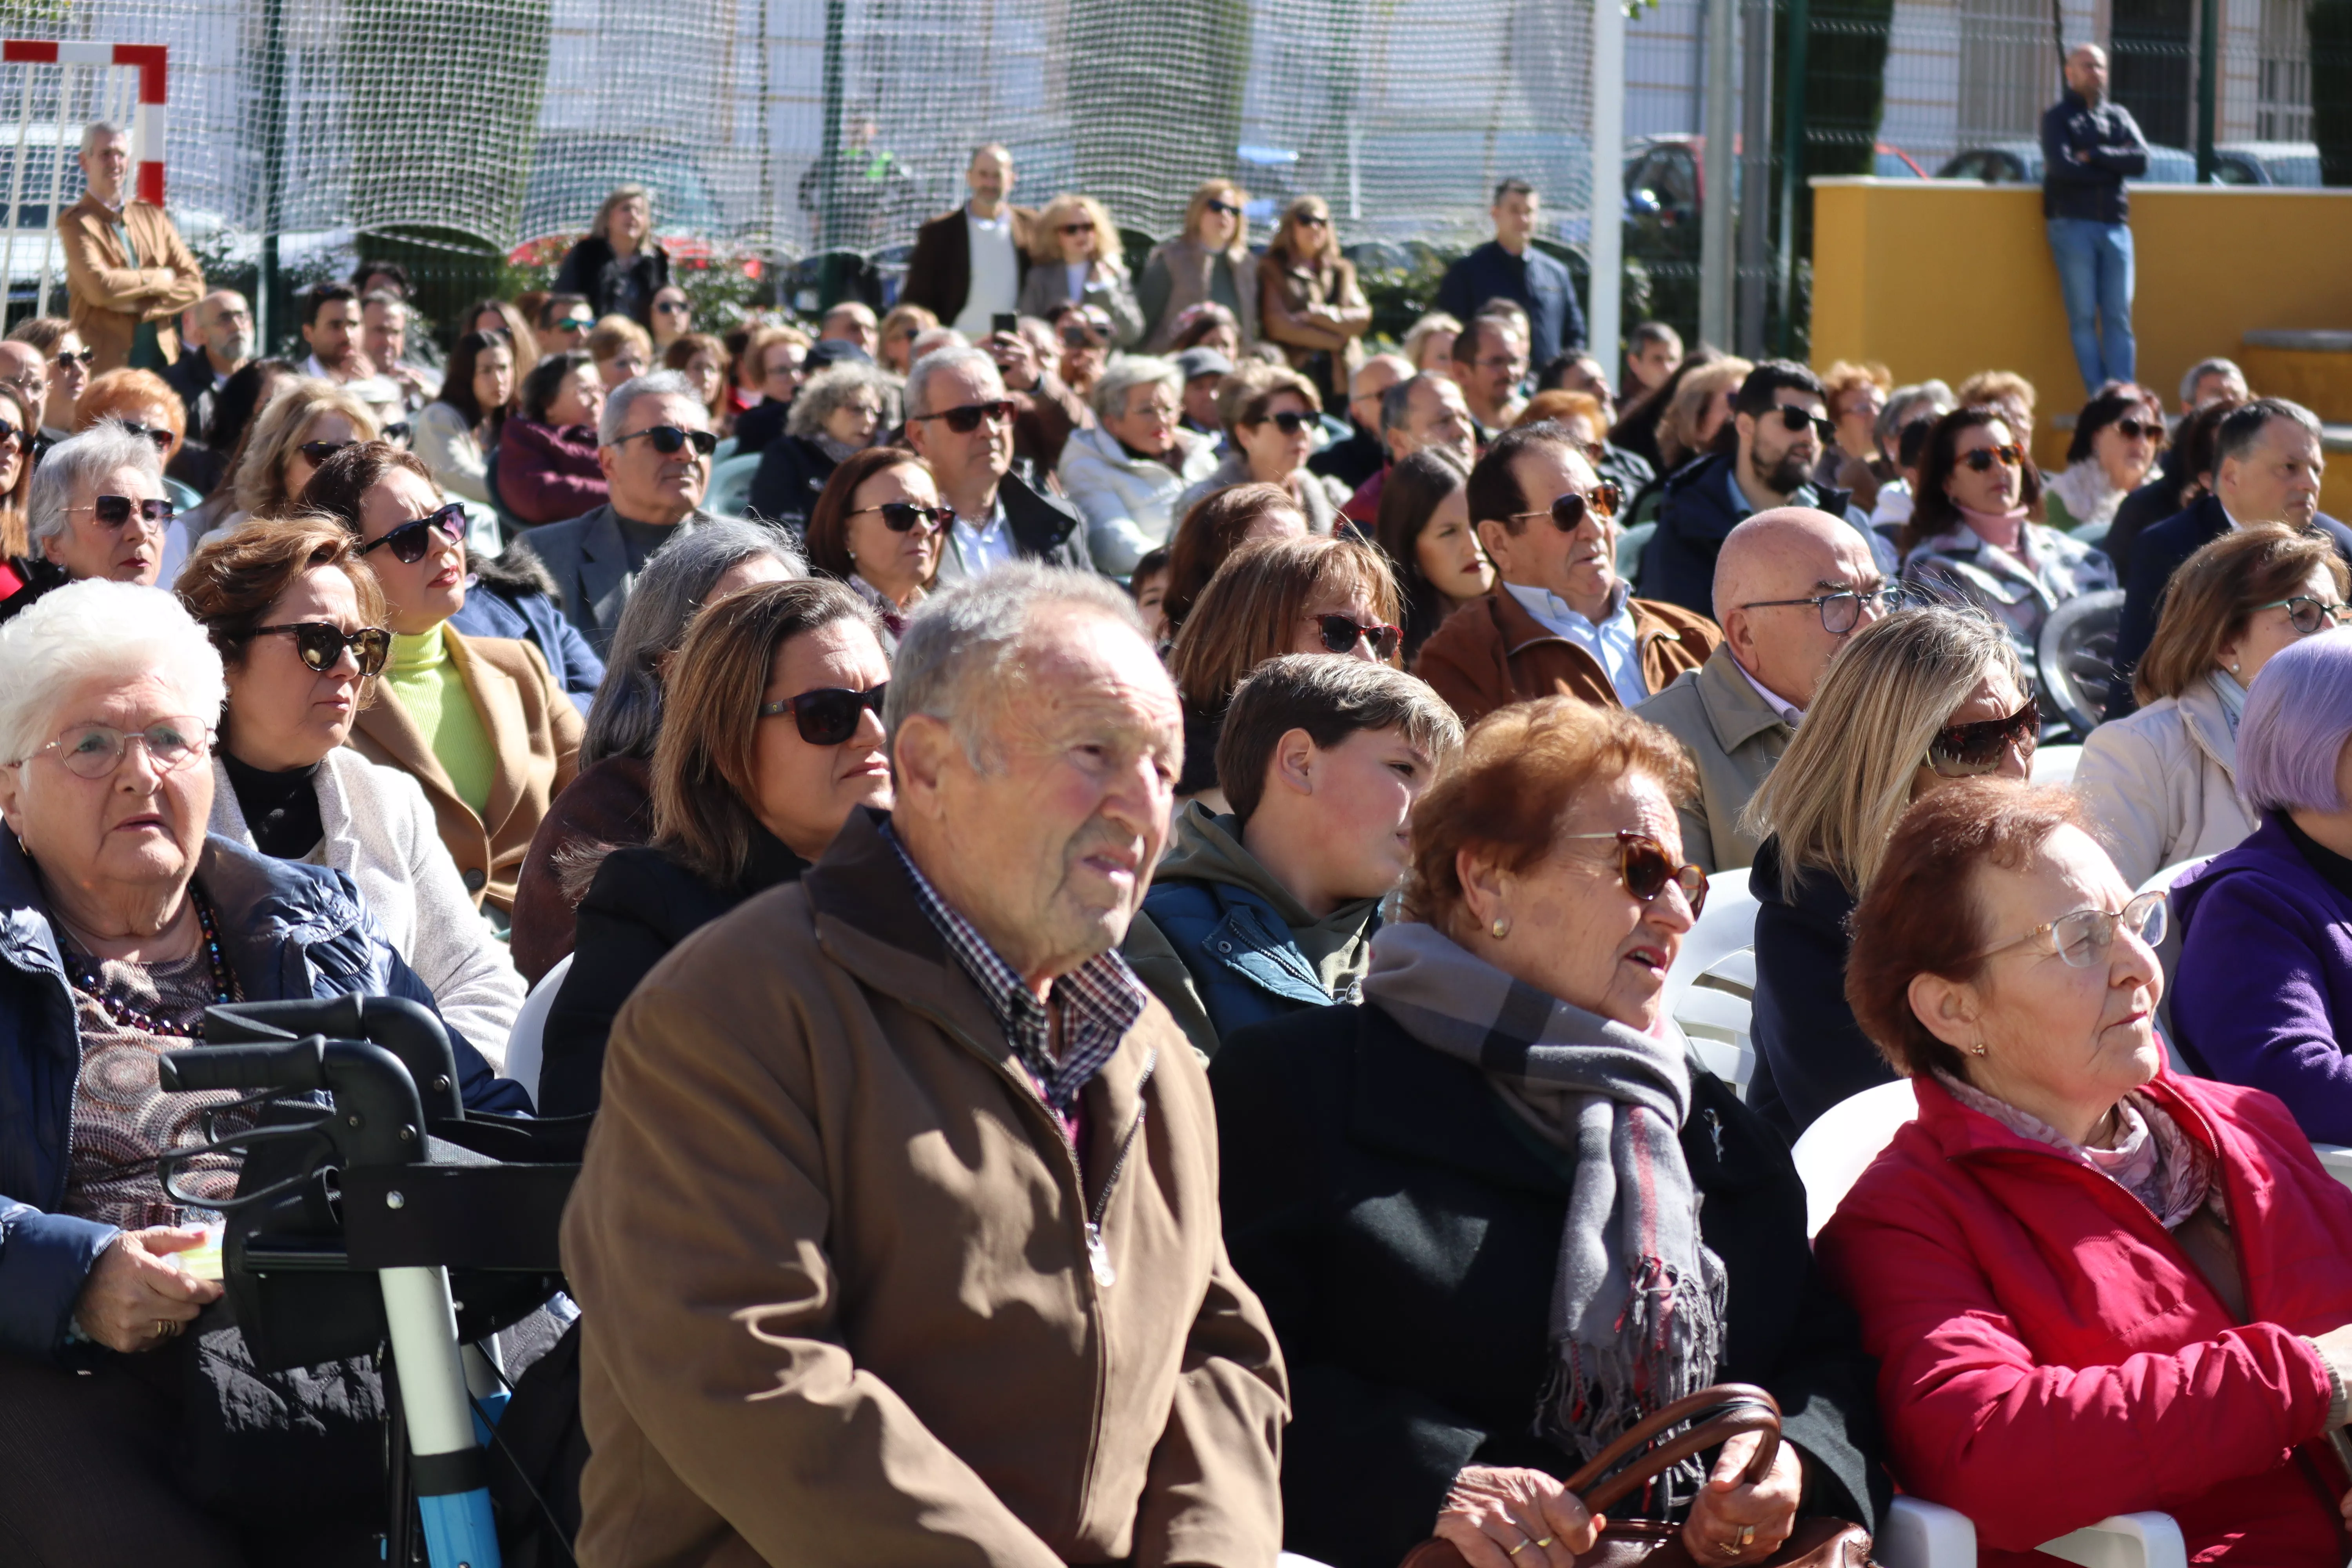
(2048, 1356)
(549, 475)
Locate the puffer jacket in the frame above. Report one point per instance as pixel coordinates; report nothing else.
(1698, 510)
(1224, 945)
(1128, 503)
(2162, 784)
(287, 929)
(2019, 591)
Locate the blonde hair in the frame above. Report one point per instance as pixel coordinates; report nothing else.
(261, 482)
(601, 226)
(1197, 209)
(614, 332)
(1045, 234)
(1415, 335)
(1835, 796)
(1678, 427)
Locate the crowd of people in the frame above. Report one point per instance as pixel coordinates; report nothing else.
(1115, 922)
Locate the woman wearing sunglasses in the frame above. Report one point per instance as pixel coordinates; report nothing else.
(547, 469)
(1210, 262)
(772, 735)
(96, 508)
(304, 423)
(1498, 1138)
(1270, 416)
(1910, 704)
(69, 369)
(301, 628)
(878, 528)
(2094, 1285)
(1076, 259)
(1973, 537)
(2117, 438)
(1310, 302)
(18, 568)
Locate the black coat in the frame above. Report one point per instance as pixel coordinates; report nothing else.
(761, 425)
(1403, 1227)
(641, 905)
(610, 285)
(1810, 1052)
(2112, 148)
(1678, 564)
(2137, 513)
(791, 476)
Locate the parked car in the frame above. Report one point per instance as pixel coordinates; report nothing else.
(2020, 164)
(2295, 164)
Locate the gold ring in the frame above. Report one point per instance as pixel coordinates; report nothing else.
(1545, 1541)
(165, 1328)
(1746, 1536)
(1522, 1546)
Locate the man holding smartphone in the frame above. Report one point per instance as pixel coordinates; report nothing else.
(969, 263)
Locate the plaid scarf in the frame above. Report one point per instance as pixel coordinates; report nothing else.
(1637, 1301)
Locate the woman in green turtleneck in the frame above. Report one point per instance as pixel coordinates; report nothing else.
(479, 722)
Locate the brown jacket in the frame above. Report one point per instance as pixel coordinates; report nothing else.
(830, 1245)
(109, 296)
(612, 802)
(1307, 312)
(537, 730)
(1491, 653)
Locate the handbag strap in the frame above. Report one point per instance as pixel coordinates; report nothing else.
(1729, 1409)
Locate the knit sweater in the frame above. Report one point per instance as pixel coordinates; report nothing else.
(425, 679)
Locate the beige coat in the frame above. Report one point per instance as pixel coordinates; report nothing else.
(2161, 786)
(108, 295)
(1734, 737)
(830, 1247)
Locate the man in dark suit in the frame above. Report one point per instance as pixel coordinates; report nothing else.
(969, 265)
(222, 344)
(960, 422)
(1510, 267)
(2266, 467)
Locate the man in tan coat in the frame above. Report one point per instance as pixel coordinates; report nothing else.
(898, 1237)
(1791, 585)
(128, 272)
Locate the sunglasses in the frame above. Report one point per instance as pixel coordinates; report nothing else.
(1077, 228)
(1290, 421)
(829, 715)
(1342, 633)
(317, 452)
(576, 324)
(902, 516)
(674, 308)
(2082, 938)
(671, 439)
(1568, 512)
(1965, 751)
(1647, 868)
(9, 433)
(963, 421)
(1984, 458)
(1225, 208)
(1075, 336)
(113, 511)
(1312, 220)
(2307, 615)
(159, 434)
(1793, 419)
(87, 356)
(2133, 429)
(95, 751)
(321, 646)
(411, 540)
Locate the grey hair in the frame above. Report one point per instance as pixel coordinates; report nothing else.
(87, 458)
(2240, 429)
(833, 388)
(918, 378)
(669, 594)
(1396, 402)
(961, 649)
(96, 627)
(1889, 425)
(2205, 367)
(652, 383)
(98, 128)
(1128, 371)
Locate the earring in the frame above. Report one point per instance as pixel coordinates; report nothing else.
(1501, 929)
(1979, 1047)
(2234, 667)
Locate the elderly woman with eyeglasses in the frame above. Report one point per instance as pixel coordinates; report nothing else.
(96, 508)
(840, 412)
(2092, 1286)
(125, 922)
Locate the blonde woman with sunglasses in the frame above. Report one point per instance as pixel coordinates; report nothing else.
(1209, 262)
(1076, 257)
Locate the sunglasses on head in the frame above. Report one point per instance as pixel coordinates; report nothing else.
(963, 421)
(1984, 458)
(87, 356)
(901, 516)
(114, 511)
(1340, 634)
(320, 451)
(829, 715)
(321, 646)
(1647, 868)
(1793, 419)
(1964, 751)
(1226, 209)
(159, 434)
(671, 439)
(409, 541)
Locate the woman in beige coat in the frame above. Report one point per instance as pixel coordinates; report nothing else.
(2161, 785)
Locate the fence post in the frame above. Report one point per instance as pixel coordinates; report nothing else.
(829, 284)
(2208, 54)
(1793, 165)
(273, 168)
(1605, 250)
(1755, 173)
(1715, 206)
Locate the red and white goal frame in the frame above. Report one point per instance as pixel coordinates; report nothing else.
(150, 60)
(134, 82)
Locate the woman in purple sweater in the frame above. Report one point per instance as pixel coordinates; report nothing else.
(2263, 992)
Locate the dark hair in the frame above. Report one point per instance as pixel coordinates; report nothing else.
(322, 295)
(1410, 497)
(555, 305)
(1637, 422)
(1513, 187)
(2243, 427)
(827, 539)
(546, 380)
(1248, 612)
(1206, 318)
(242, 396)
(1770, 377)
(458, 386)
(345, 480)
(1914, 441)
(391, 269)
(1933, 511)
(2111, 403)
(2211, 597)
(1152, 562)
(1210, 532)
(681, 352)
(1648, 332)
(2192, 445)
(1495, 492)
(1330, 699)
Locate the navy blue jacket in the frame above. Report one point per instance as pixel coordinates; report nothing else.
(287, 928)
(1694, 517)
(534, 617)
(1239, 951)
(2092, 189)
(1810, 1052)
(1537, 282)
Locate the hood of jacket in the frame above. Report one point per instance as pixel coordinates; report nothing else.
(1208, 848)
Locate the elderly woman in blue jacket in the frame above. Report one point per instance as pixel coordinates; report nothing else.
(120, 921)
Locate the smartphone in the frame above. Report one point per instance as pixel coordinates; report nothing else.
(1005, 321)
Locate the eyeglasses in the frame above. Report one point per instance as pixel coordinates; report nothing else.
(1984, 458)
(1225, 209)
(159, 434)
(95, 751)
(2133, 429)
(86, 357)
(575, 324)
(114, 511)
(1290, 421)
(321, 644)
(1647, 868)
(317, 452)
(829, 715)
(1086, 227)
(1568, 512)
(1342, 634)
(963, 421)
(411, 540)
(1843, 610)
(2082, 938)
(1793, 419)
(2307, 615)
(901, 516)
(671, 439)
(674, 308)
(1964, 751)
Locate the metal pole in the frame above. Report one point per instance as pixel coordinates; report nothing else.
(1714, 208)
(829, 149)
(1792, 167)
(2208, 54)
(1755, 173)
(273, 165)
(1605, 250)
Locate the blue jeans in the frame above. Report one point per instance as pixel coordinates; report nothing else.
(2095, 272)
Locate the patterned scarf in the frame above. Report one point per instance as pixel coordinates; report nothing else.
(2153, 1159)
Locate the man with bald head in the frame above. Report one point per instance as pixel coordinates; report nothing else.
(216, 349)
(1363, 455)
(2090, 146)
(1791, 585)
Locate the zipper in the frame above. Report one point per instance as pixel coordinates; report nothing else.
(1097, 1255)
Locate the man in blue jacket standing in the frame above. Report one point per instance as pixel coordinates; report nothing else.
(1510, 267)
(2089, 147)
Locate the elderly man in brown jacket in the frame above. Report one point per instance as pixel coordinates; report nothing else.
(897, 1239)
(1559, 621)
(128, 272)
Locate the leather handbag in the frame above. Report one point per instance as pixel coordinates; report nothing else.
(1717, 1414)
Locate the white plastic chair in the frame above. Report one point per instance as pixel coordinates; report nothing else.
(523, 1053)
(1711, 989)
(2055, 764)
(1832, 1155)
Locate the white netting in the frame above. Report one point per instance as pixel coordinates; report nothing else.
(43, 108)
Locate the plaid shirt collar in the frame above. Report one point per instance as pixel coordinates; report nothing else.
(1099, 1001)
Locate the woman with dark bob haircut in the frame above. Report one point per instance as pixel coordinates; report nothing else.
(1425, 530)
(1435, 1191)
(1218, 524)
(879, 526)
(2093, 1286)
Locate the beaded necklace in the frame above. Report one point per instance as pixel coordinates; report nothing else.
(90, 979)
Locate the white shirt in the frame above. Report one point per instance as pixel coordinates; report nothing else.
(995, 272)
(984, 549)
(1790, 714)
(1611, 642)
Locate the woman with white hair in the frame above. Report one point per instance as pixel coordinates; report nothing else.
(1125, 470)
(125, 922)
(618, 266)
(96, 508)
(1075, 260)
(841, 410)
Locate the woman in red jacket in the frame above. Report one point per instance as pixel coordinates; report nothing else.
(2093, 1287)
(548, 469)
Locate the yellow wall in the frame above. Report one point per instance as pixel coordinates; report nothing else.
(1939, 278)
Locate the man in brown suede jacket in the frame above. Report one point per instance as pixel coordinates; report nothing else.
(897, 1238)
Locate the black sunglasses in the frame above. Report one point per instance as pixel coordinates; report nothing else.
(1290, 421)
(1793, 419)
(9, 433)
(1647, 868)
(671, 439)
(2133, 429)
(829, 715)
(1962, 750)
(87, 356)
(900, 515)
(1227, 208)
(320, 451)
(1984, 458)
(159, 434)
(321, 646)
(411, 540)
(113, 511)
(673, 307)
(1342, 633)
(963, 421)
